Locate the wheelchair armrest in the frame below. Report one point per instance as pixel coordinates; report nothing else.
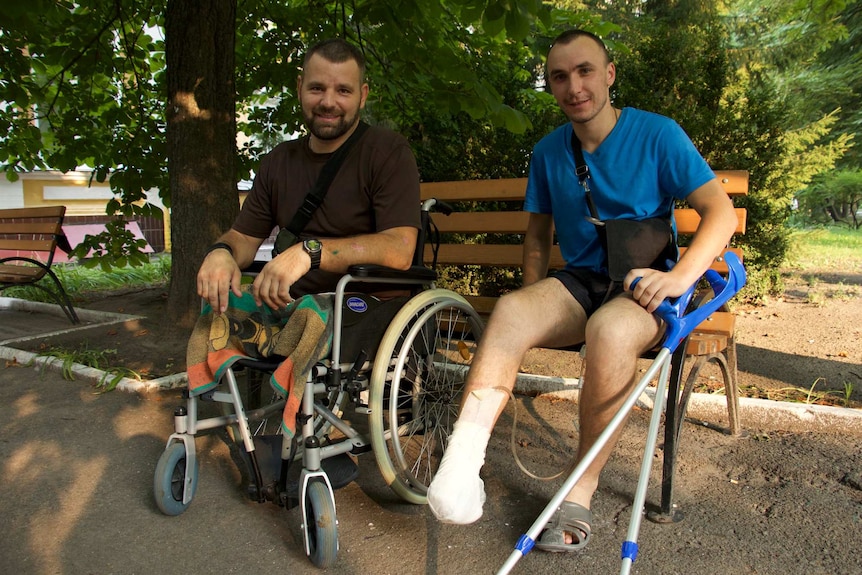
(255, 267)
(420, 273)
(415, 273)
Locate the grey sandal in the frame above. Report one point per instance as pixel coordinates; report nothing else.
(570, 518)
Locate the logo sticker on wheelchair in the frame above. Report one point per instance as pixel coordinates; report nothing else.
(357, 304)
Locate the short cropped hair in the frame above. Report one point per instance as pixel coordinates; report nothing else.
(338, 50)
(570, 35)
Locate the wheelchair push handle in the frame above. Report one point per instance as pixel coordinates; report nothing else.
(672, 310)
(435, 205)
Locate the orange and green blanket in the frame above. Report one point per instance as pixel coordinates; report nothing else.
(300, 333)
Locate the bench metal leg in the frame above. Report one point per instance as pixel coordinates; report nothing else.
(678, 398)
(674, 414)
(731, 390)
(63, 299)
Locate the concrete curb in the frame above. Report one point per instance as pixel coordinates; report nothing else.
(96, 376)
(753, 413)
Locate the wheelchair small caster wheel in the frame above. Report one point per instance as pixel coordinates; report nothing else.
(320, 528)
(172, 478)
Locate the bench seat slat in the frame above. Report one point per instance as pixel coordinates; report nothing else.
(706, 344)
(482, 222)
(20, 274)
(719, 323)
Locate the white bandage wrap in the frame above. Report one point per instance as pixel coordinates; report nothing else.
(482, 406)
(457, 493)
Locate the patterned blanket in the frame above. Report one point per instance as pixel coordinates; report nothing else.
(301, 333)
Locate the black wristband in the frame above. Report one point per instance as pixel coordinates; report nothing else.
(219, 246)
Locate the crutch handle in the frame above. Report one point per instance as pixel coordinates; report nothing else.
(672, 310)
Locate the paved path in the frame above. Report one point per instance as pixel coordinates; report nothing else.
(76, 498)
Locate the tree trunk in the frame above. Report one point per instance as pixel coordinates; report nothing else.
(201, 139)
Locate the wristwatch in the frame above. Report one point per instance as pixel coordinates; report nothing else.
(313, 247)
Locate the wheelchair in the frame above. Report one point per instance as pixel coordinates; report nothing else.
(404, 381)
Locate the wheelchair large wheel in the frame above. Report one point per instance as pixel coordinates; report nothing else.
(170, 477)
(321, 528)
(416, 385)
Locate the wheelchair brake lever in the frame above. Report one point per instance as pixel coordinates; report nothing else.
(352, 386)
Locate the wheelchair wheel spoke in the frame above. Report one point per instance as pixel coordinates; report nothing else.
(416, 387)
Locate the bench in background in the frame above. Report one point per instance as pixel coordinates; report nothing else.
(28, 239)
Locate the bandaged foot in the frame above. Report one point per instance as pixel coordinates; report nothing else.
(457, 493)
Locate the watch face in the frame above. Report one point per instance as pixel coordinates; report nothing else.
(312, 245)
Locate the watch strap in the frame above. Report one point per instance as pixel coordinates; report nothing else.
(219, 246)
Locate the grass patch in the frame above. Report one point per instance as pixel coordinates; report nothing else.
(80, 281)
(97, 359)
(825, 249)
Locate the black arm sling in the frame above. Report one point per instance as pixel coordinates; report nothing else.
(628, 243)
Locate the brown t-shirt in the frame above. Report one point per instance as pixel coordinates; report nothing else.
(376, 188)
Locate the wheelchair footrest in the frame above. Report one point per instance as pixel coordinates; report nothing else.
(340, 469)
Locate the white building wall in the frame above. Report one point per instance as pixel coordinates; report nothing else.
(11, 193)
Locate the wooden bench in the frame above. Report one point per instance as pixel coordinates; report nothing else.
(712, 341)
(28, 238)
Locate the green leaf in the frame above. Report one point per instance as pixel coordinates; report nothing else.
(517, 25)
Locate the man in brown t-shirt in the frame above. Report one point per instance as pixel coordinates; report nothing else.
(371, 210)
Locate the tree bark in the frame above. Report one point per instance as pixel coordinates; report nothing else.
(201, 139)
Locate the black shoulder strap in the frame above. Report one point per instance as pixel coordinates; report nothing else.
(289, 235)
(583, 173)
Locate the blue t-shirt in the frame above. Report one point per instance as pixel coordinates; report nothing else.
(636, 172)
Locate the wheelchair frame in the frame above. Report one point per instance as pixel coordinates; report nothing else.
(413, 385)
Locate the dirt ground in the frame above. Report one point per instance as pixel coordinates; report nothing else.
(806, 346)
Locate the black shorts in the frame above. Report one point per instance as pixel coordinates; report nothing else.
(589, 289)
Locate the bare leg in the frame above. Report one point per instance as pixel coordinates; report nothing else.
(543, 314)
(617, 334)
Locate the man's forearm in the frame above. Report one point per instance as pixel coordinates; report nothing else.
(391, 248)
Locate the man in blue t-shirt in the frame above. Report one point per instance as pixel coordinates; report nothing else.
(639, 163)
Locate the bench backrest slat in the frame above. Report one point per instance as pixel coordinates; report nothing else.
(688, 219)
(40, 212)
(27, 245)
(30, 228)
(496, 255)
(735, 183)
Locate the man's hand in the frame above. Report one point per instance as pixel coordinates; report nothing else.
(273, 283)
(219, 274)
(654, 287)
